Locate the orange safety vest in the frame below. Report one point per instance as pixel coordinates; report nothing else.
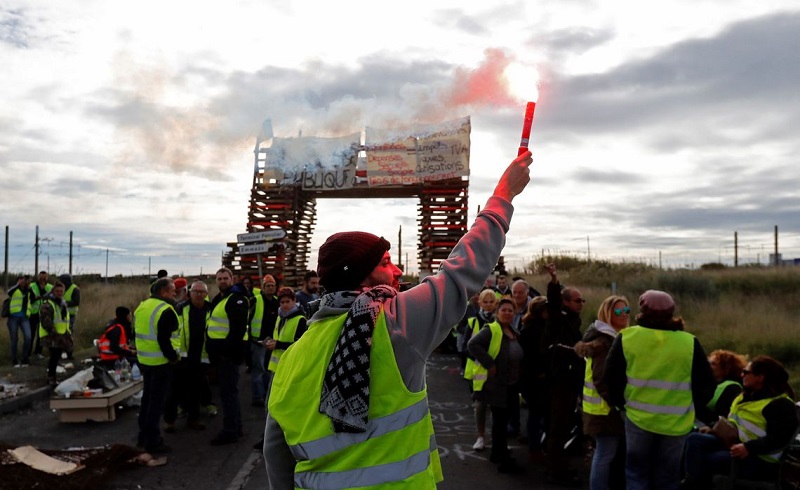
(104, 345)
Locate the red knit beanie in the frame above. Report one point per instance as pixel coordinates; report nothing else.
(347, 258)
(656, 303)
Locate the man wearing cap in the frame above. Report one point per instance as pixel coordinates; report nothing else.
(181, 290)
(658, 373)
(348, 405)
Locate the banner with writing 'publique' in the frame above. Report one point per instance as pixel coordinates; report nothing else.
(409, 155)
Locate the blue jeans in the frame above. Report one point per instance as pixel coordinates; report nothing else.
(653, 461)
(604, 452)
(228, 377)
(705, 456)
(258, 373)
(15, 323)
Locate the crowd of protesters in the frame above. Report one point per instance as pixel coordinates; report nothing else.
(648, 404)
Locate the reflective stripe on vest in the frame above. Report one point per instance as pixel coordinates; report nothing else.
(592, 402)
(749, 419)
(145, 320)
(73, 310)
(658, 393)
(283, 333)
(60, 324)
(39, 294)
(480, 374)
(399, 446)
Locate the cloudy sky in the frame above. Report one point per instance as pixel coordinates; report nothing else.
(661, 128)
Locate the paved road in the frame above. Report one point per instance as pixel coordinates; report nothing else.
(196, 464)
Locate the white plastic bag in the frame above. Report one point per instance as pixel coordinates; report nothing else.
(77, 382)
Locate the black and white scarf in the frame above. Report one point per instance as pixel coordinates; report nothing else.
(345, 389)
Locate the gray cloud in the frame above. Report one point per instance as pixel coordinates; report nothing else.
(14, 28)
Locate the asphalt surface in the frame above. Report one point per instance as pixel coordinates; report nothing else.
(194, 463)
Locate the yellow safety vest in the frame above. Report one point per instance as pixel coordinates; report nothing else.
(749, 419)
(73, 310)
(60, 324)
(37, 291)
(283, 333)
(17, 301)
(398, 450)
(258, 315)
(469, 368)
(218, 324)
(480, 374)
(592, 403)
(718, 392)
(185, 335)
(658, 393)
(145, 321)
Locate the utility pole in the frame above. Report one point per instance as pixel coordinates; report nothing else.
(70, 253)
(5, 270)
(588, 250)
(736, 249)
(777, 260)
(106, 266)
(36, 252)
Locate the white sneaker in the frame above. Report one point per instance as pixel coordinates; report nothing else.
(17, 365)
(479, 445)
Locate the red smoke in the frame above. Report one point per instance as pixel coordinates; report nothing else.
(485, 84)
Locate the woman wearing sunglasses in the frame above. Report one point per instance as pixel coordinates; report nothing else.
(601, 421)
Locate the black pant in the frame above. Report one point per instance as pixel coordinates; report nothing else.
(52, 364)
(228, 375)
(563, 400)
(36, 344)
(500, 418)
(157, 380)
(185, 392)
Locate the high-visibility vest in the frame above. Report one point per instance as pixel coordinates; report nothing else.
(718, 392)
(18, 302)
(398, 449)
(60, 323)
(104, 344)
(145, 320)
(592, 403)
(73, 310)
(218, 324)
(258, 315)
(185, 335)
(285, 330)
(475, 325)
(658, 393)
(479, 373)
(749, 419)
(40, 294)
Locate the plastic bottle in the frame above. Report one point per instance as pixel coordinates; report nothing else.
(117, 371)
(126, 370)
(136, 374)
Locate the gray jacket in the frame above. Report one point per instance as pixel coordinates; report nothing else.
(418, 319)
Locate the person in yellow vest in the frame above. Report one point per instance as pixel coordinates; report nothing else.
(726, 366)
(20, 306)
(187, 386)
(348, 405)
(40, 288)
(502, 289)
(487, 302)
(262, 326)
(658, 373)
(225, 343)
(600, 420)
(72, 296)
(289, 327)
(155, 324)
(54, 328)
(496, 379)
(765, 417)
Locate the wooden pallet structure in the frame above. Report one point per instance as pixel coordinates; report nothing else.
(274, 205)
